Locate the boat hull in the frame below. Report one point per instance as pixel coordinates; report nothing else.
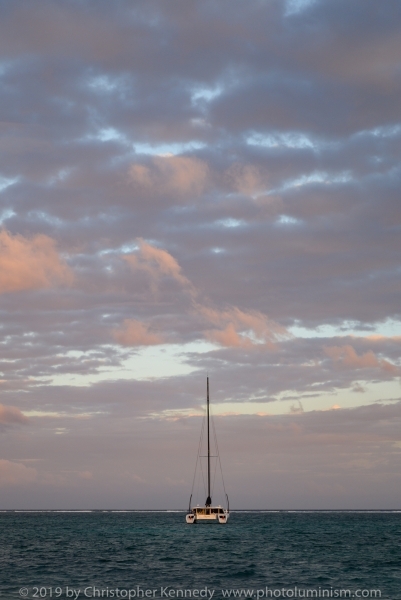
(204, 517)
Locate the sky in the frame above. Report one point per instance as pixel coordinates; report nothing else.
(191, 189)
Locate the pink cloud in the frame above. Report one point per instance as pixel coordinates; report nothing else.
(10, 415)
(157, 263)
(383, 338)
(347, 358)
(228, 337)
(175, 174)
(12, 473)
(234, 327)
(239, 328)
(135, 333)
(27, 264)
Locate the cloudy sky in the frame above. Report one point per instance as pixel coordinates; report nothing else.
(193, 188)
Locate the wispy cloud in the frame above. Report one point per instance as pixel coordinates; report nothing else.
(236, 328)
(347, 358)
(157, 263)
(239, 328)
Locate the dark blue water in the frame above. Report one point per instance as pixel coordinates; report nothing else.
(279, 555)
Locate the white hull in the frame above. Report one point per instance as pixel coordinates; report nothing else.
(207, 516)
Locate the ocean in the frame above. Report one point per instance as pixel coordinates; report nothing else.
(258, 554)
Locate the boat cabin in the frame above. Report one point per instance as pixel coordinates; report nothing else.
(206, 511)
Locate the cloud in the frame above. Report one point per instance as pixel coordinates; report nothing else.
(179, 175)
(10, 415)
(135, 333)
(242, 328)
(228, 337)
(245, 179)
(27, 264)
(383, 338)
(234, 327)
(237, 327)
(156, 263)
(347, 358)
(12, 473)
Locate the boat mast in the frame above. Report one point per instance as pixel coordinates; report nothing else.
(208, 499)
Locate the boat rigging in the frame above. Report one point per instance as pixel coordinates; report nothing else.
(209, 512)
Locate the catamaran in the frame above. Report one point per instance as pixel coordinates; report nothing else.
(208, 513)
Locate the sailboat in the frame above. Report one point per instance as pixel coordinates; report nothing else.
(208, 513)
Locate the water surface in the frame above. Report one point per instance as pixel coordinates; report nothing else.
(101, 552)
